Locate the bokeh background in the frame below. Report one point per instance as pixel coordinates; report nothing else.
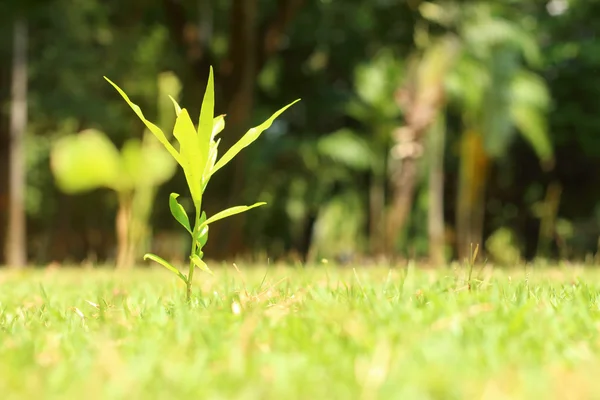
(426, 128)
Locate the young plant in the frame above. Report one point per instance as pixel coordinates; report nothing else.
(197, 156)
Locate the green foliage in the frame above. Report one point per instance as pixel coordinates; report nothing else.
(376, 82)
(349, 149)
(495, 89)
(197, 156)
(89, 160)
(338, 229)
(348, 58)
(530, 103)
(503, 248)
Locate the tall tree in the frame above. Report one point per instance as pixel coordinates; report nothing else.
(435, 215)
(498, 96)
(420, 99)
(16, 251)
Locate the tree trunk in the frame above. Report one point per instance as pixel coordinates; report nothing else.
(474, 167)
(16, 252)
(240, 91)
(404, 182)
(376, 213)
(123, 224)
(420, 100)
(4, 144)
(437, 139)
(548, 219)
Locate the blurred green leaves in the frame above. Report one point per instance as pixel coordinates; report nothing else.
(348, 148)
(89, 160)
(499, 95)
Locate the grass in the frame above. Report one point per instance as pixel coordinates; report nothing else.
(315, 333)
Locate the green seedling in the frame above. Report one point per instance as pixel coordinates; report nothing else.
(197, 156)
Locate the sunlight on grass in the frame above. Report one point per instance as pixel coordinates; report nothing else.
(309, 333)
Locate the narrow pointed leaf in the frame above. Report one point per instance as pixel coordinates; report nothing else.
(200, 264)
(165, 264)
(210, 164)
(229, 212)
(153, 128)
(529, 106)
(202, 236)
(193, 158)
(248, 138)
(207, 114)
(533, 126)
(218, 125)
(178, 212)
(176, 105)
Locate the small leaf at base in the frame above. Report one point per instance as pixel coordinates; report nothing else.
(178, 212)
(165, 264)
(176, 105)
(200, 264)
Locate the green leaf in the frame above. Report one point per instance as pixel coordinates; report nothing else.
(178, 212)
(165, 264)
(193, 158)
(153, 128)
(200, 264)
(229, 212)
(218, 125)
(176, 105)
(348, 148)
(132, 161)
(248, 138)
(376, 82)
(530, 102)
(207, 112)
(201, 233)
(212, 158)
(145, 164)
(202, 236)
(169, 89)
(533, 125)
(157, 165)
(206, 124)
(86, 161)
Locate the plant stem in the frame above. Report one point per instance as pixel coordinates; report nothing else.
(194, 248)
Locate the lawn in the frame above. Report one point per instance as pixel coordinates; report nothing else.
(314, 333)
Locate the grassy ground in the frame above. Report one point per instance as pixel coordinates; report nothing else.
(300, 334)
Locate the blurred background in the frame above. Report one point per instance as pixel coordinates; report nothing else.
(426, 128)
